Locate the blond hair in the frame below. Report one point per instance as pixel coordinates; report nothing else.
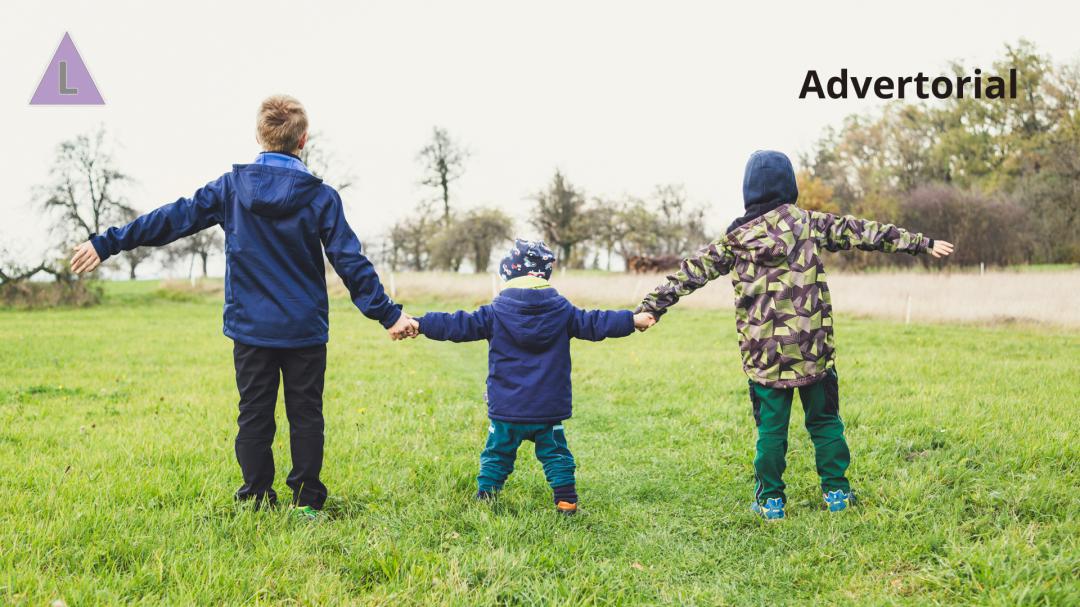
(280, 124)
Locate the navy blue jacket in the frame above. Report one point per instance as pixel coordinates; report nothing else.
(277, 222)
(528, 333)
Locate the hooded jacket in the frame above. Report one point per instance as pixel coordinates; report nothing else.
(528, 332)
(277, 219)
(783, 311)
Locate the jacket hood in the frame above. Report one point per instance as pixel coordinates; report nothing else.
(273, 191)
(535, 318)
(769, 181)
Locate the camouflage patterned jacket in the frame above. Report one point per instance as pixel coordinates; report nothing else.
(782, 308)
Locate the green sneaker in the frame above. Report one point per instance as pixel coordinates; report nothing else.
(306, 513)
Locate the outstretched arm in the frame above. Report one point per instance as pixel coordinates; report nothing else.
(841, 233)
(345, 253)
(156, 228)
(457, 326)
(710, 263)
(596, 325)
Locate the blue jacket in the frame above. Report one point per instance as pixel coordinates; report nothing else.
(528, 332)
(278, 219)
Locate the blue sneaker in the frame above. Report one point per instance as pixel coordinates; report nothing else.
(837, 500)
(773, 510)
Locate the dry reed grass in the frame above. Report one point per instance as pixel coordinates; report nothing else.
(1044, 297)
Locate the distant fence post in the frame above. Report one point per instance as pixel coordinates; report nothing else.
(907, 313)
(982, 268)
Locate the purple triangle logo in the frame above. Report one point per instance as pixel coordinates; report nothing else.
(66, 80)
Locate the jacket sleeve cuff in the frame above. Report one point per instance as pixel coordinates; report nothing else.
(627, 323)
(391, 317)
(102, 250)
(655, 313)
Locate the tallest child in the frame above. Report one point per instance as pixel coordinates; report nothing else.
(278, 220)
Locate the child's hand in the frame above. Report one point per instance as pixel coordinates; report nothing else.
(941, 248)
(85, 258)
(406, 326)
(643, 320)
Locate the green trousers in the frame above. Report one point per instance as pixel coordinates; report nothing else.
(772, 412)
(504, 438)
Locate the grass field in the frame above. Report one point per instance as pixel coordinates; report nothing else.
(117, 471)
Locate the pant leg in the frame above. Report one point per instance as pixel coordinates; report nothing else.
(257, 381)
(303, 371)
(821, 401)
(772, 411)
(558, 462)
(497, 459)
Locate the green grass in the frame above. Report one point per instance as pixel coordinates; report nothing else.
(117, 471)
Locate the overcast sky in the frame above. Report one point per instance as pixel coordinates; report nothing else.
(619, 95)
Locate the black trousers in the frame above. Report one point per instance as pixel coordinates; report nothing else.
(257, 373)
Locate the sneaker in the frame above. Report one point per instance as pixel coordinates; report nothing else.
(773, 510)
(566, 508)
(486, 496)
(838, 500)
(306, 513)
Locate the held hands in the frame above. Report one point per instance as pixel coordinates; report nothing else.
(643, 320)
(406, 326)
(85, 258)
(941, 248)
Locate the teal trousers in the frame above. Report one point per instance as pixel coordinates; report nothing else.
(504, 438)
(772, 412)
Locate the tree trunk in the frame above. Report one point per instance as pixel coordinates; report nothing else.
(446, 199)
(481, 260)
(131, 271)
(204, 256)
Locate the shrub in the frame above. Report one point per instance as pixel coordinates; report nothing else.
(26, 294)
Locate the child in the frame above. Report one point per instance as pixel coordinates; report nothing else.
(278, 219)
(528, 328)
(784, 317)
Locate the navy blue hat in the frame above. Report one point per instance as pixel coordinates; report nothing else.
(527, 258)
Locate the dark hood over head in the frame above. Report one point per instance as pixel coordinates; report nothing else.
(769, 181)
(273, 191)
(535, 318)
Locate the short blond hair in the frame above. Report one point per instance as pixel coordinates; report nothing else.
(280, 124)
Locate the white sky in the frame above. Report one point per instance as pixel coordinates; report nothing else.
(620, 95)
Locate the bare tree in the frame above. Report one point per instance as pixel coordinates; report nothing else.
(12, 271)
(682, 226)
(135, 257)
(200, 245)
(446, 246)
(84, 192)
(481, 230)
(322, 163)
(609, 227)
(560, 216)
(443, 162)
(410, 239)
